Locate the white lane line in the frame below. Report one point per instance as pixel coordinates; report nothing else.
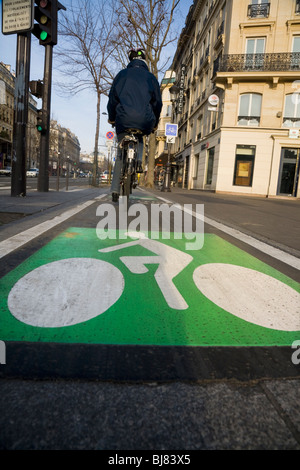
(276, 253)
(18, 240)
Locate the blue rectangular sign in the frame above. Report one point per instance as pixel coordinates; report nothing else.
(171, 130)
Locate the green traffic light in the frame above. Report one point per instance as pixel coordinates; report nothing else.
(43, 36)
(39, 128)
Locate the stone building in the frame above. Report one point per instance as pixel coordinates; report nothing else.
(7, 86)
(161, 157)
(64, 149)
(238, 112)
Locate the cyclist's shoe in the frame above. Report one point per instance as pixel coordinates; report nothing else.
(139, 168)
(115, 197)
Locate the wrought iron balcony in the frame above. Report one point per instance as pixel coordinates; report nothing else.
(261, 10)
(291, 122)
(275, 62)
(248, 120)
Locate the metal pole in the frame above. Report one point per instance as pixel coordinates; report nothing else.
(43, 180)
(167, 181)
(18, 179)
(57, 171)
(67, 176)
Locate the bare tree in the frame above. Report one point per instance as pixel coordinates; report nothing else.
(148, 24)
(84, 52)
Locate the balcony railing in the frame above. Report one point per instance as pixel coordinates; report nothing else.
(248, 120)
(280, 62)
(291, 122)
(261, 10)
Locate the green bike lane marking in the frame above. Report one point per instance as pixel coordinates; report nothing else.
(80, 289)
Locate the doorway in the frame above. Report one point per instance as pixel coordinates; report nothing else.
(289, 172)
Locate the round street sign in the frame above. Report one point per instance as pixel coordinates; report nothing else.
(110, 135)
(213, 100)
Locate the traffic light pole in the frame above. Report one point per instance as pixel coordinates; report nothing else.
(43, 178)
(18, 178)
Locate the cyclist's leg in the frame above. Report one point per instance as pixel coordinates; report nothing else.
(139, 157)
(115, 184)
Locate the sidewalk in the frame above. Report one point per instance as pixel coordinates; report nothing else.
(20, 213)
(35, 202)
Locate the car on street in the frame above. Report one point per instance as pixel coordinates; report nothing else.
(104, 177)
(5, 171)
(32, 173)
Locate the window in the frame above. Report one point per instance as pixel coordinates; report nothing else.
(298, 6)
(255, 49)
(259, 9)
(244, 165)
(296, 53)
(167, 110)
(291, 116)
(250, 109)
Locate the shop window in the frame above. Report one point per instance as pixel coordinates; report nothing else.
(244, 165)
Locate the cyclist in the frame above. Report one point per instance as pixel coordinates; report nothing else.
(134, 103)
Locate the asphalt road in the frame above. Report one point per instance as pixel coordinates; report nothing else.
(115, 397)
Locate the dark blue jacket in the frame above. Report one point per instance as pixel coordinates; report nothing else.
(135, 99)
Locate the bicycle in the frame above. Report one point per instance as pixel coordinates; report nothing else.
(130, 169)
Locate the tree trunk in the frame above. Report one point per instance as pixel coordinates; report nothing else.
(151, 160)
(95, 163)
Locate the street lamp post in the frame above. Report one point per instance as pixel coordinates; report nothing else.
(174, 90)
(67, 177)
(57, 171)
(167, 179)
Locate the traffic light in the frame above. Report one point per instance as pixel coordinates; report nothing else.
(36, 88)
(41, 121)
(45, 13)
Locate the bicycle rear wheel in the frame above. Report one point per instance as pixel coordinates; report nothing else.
(127, 185)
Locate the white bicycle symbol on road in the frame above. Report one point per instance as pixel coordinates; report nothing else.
(76, 290)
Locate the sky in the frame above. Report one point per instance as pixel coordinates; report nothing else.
(77, 113)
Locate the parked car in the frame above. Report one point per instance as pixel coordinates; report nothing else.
(105, 176)
(32, 172)
(5, 171)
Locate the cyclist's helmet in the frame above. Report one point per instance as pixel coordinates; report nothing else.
(132, 54)
(137, 54)
(141, 54)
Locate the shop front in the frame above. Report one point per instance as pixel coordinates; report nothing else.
(289, 172)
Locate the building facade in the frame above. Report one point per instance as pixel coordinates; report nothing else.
(161, 157)
(64, 149)
(7, 86)
(238, 112)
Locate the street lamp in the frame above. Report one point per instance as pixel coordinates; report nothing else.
(174, 90)
(67, 178)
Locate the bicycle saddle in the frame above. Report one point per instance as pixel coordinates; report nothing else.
(134, 131)
(127, 139)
